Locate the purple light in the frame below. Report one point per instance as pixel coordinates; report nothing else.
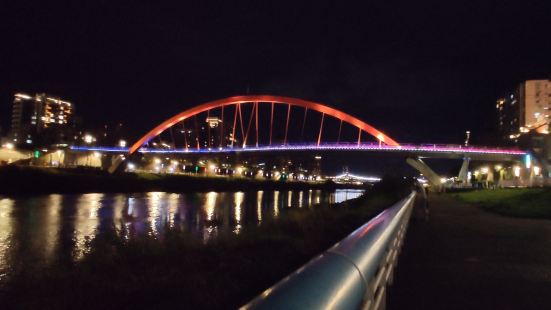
(435, 148)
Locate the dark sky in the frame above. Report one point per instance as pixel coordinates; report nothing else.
(423, 71)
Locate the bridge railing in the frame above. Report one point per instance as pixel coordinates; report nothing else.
(430, 148)
(352, 274)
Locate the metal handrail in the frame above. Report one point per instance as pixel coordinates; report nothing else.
(352, 274)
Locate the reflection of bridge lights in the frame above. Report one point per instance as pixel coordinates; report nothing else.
(300, 198)
(259, 195)
(86, 222)
(173, 200)
(537, 170)
(276, 204)
(238, 201)
(130, 211)
(154, 210)
(498, 167)
(210, 205)
(7, 224)
(289, 198)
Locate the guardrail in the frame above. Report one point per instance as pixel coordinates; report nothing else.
(431, 148)
(352, 274)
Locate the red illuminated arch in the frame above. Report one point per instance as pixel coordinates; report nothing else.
(263, 98)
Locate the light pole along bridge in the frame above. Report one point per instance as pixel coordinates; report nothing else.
(266, 123)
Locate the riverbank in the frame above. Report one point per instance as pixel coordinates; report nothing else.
(16, 180)
(174, 270)
(515, 202)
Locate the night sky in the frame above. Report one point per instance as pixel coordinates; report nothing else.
(422, 71)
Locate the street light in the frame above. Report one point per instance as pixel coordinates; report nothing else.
(467, 137)
(88, 139)
(517, 171)
(9, 146)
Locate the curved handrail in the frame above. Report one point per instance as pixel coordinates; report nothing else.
(351, 274)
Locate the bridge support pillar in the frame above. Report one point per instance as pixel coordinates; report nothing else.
(433, 178)
(116, 163)
(464, 172)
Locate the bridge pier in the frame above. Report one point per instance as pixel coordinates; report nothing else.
(115, 163)
(434, 179)
(464, 172)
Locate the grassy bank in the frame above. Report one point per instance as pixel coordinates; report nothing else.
(176, 271)
(30, 180)
(517, 202)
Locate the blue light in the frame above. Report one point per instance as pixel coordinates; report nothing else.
(434, 148)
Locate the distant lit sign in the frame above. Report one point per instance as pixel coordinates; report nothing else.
(528, 161)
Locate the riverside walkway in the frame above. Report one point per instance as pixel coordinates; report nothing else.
(468, 258)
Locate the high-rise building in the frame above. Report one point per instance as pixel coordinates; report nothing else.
(526, 109)
(40, 120)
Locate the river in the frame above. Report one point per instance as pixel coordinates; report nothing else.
(39, 229)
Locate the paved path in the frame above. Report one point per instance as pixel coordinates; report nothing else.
(467, 258)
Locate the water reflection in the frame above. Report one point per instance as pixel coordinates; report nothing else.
(238, 201)
(259, 195)
(289, 198)
(210, 229)
(86, 221)
(40, 229)
(45, 220)
(276, 204)
(6, 230)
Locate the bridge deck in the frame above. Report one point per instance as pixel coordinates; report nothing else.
(428, 150)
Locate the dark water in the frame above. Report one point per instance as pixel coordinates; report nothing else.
(39, 229)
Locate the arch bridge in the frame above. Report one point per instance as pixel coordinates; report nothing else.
(276, 123)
